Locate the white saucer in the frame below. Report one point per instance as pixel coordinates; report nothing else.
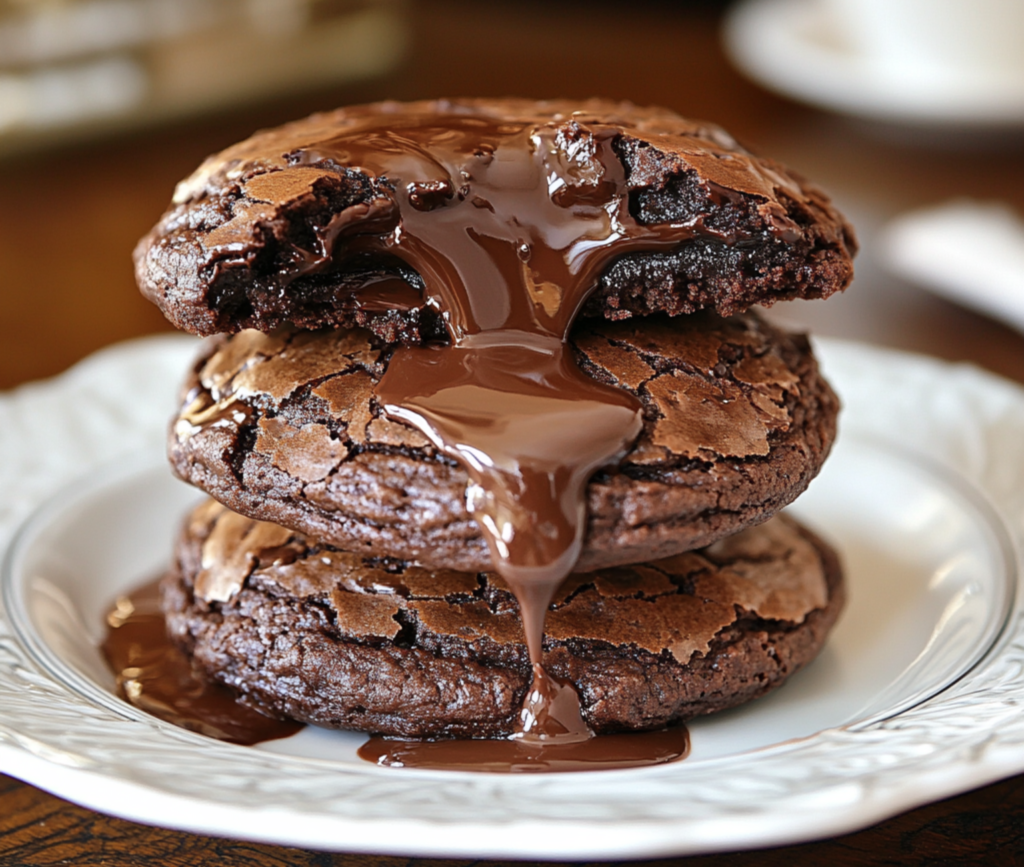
(796, 48)
(914, 698)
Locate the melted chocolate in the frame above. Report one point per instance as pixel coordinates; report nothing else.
(551, 714)
(385, 294)
(509, 224)
(155, 676)
(632, 750)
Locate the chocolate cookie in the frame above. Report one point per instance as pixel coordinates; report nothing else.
(312, 633)
(295, 225)
(285, 428)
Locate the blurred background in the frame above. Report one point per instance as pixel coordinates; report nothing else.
(909, 112)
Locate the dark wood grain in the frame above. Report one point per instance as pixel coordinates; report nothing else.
(39, 830)
(70, 216)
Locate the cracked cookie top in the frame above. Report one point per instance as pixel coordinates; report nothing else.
(285, 427)
(676, 605)
(306, 224)
(711, 388)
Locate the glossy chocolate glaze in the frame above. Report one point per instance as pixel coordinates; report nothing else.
(607, 752)
(157, 677)
(509, 224)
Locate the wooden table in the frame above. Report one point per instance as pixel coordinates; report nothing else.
(70, 216)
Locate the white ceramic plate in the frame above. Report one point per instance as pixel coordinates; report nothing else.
(914, 697)
(797, 48)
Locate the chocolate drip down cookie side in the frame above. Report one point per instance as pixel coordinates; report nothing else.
(285, 428)
(308, 632)
(495, 443)
(284, 228)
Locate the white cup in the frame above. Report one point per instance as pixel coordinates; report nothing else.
(936, 39)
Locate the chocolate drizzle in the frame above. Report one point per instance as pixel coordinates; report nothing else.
(501, 228)
(509, 225)
(551, 714)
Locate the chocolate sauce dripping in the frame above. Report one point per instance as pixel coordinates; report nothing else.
(510, 226)
(155, 676)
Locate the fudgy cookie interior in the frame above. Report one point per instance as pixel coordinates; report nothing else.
(273, 230)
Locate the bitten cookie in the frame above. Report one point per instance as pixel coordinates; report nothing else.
(275, 229)
(308, 632)
(285, 428)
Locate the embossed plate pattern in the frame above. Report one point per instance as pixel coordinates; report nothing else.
(958, 429)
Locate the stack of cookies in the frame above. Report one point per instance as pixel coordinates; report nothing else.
(344, 573)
